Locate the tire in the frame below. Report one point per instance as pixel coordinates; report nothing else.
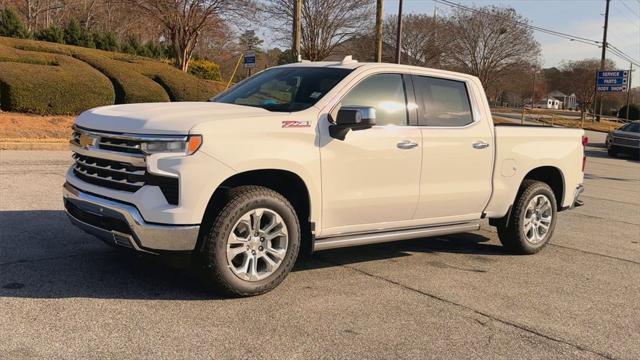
(515, 235)
(612, 152)
(239, 276)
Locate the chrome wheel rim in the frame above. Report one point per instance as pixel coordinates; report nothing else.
(537, 219)
(257, 244)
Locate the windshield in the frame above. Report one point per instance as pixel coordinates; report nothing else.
(285, 89)
(633, 127)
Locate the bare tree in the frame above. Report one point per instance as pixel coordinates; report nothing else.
(486, 40)
(579, 77)
(423, 39)
(325, 23)
(185, 20)
(32, 9)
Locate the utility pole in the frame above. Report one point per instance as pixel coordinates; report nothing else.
(379, 11)
(435, 35)
(399, 34)
(629, 88)
(297, 30)
(604, 54)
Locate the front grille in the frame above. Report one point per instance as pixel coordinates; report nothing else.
(625, 141)
(118, 175)
(121, 145)
(108, 173)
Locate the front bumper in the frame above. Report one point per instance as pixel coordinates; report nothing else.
(122, 224)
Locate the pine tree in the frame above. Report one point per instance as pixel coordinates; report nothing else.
(11, 25)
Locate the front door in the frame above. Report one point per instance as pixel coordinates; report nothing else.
(371, 179)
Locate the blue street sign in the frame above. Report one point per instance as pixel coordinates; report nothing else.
(612, 81)
(614, 73)
(614, 88)
(250, 59)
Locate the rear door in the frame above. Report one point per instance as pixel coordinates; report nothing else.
(457, 151)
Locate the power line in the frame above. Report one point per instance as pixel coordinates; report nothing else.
(619, 53)
(622, 54)
(525, 24)
(630, 9)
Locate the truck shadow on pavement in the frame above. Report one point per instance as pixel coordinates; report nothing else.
(602, 154)
(43, 256)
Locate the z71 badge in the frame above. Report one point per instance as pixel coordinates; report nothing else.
(296, 124)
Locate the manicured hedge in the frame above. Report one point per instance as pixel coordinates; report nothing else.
(50, 84)
(179, 86)
(130, 86)
(64, 70)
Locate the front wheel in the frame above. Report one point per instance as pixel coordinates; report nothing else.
(252, 244)
(532, 220)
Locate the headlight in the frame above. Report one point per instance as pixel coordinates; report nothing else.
(188, 147)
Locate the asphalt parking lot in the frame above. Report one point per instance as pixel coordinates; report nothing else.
(64, 294)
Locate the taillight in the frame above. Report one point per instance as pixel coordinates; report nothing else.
(585, 142)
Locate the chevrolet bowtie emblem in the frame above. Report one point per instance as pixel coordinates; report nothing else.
(87, 141)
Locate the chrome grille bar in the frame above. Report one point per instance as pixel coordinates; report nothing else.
(108, 178)
(79, 160)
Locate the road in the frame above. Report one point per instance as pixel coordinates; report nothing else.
(64, 294)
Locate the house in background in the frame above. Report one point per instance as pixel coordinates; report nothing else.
(568, 102)
(549, 103)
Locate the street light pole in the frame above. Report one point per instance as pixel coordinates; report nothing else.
(399, 33)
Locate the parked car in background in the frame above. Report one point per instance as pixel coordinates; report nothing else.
(625, 140)
(318, 156)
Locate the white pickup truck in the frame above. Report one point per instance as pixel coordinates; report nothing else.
(316, 156)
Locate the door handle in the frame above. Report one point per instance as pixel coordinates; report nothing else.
(480, 145)
(406, 144)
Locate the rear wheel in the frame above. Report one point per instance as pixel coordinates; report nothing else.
(532, 220)
(612, 152)
(252, 244)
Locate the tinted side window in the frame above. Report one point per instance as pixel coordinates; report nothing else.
(443, 102)
(385, 93)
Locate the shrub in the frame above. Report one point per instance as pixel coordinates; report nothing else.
(51, 34)
(73, 34)
(130, 86)
(106, 41)
(132, 78)
(205, 69)
(49, 83)
(11, 25)
(179, 86)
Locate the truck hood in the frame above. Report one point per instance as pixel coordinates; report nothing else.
(163, 118)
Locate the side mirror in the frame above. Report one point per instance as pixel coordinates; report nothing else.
(352, 118)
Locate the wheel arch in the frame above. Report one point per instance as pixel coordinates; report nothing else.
(285, 182)
(551, 176)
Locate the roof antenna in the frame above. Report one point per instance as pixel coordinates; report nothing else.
(348, 60)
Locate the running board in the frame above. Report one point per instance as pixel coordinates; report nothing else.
(388, 236)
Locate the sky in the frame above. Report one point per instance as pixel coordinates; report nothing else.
(584, 18)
